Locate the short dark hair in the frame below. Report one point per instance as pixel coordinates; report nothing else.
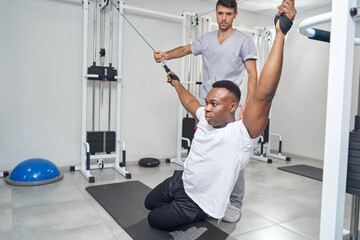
(228, 4)
(230, 86)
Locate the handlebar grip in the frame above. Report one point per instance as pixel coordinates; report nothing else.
(321, 35)
(167, 69)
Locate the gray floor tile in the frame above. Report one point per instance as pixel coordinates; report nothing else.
(277, 207)
(251, 221)
(7, 236)
(93, 232)
(275, 232)
(6, 224)
(2, 182)
(61, 191)
(5, 197)
(114, 227)
(309, 226)
(47, 218)
(122, 236)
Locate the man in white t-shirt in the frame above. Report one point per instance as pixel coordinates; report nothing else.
(227, 54)
(221, 146)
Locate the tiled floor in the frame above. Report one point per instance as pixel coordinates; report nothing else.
(278, 205)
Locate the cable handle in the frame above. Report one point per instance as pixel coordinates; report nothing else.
(172, 76)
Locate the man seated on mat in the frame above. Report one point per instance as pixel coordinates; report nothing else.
(221, 146)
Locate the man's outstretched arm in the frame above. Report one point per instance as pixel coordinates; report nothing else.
(190, 103)
(178, 52)
(257, 111)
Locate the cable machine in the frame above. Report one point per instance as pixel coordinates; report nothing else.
(193, 27)
(340, 158)
(100, 142)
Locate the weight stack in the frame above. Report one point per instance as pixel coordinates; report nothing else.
(188, 130)
(101, 141)
(353, 171)
(110, 72)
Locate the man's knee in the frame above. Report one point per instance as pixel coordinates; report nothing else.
(155, 222)
(148, 203)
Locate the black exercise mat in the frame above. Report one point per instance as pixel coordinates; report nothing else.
(125, 203)
(304, 170)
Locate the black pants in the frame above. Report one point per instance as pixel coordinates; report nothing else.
(170, 206)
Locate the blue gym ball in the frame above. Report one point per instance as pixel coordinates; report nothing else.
(34, 171)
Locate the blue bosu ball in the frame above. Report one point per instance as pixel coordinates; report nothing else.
(34, 171)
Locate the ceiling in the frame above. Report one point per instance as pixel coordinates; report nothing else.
(262, 7)
(268, 7)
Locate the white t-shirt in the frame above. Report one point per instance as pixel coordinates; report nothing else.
(223, 61)
(216, 157)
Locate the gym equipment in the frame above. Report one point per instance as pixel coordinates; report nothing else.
(261, 151)
(149, 162)
(194, 20)
(34, 172)
(125, 203)
(337, 119)
(304, 170)
(262, 147)
(194, 26)
(101, 141)
(4, 174)
(99, 144)
(188, 131)
(172, 76)
(353, 176)
(314, 33)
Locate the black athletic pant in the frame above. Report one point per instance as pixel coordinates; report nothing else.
(170, 206)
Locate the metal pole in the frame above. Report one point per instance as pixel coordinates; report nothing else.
(95, 31)
(337, 120)
(111, 32)
(84, 83)
(110, 58)
(119, 81)
(94, 62)
(102, 59)
(354, 227)
(182, 76)
(305, 25)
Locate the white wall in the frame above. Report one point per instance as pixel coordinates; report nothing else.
(40, 87)
(40, 84)
(40, 71)
(41, 59)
